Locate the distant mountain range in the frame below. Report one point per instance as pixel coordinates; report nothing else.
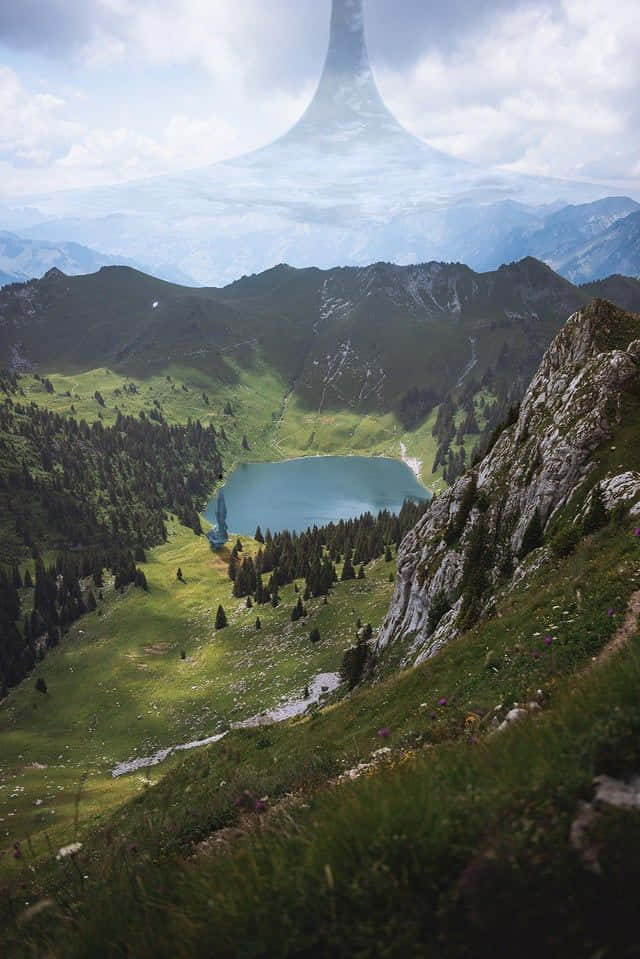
(583, 242)
(23, 258)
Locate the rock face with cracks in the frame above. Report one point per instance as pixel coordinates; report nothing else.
(499, 511)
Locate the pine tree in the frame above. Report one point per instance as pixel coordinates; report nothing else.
(221, 618)
(258, 623)
(388, 555)
(259, 538)
(314, 635)
(348, 572)
(361, 572)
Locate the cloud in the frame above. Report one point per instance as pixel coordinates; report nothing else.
(543, 86)
(547, 91)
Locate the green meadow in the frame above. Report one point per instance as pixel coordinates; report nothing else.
(119, 687)
(277, 424)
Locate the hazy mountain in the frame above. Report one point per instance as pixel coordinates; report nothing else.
(23, 259)
(617, 250)
(364, 188)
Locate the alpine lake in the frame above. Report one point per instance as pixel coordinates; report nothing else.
(297, 494)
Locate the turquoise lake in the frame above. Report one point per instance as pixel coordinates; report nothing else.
(296, 494)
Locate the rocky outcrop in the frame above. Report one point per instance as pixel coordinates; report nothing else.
(476, 535)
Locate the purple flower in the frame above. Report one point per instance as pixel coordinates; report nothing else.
(384, 733)
(261, 806)
(612, 612)
(17, 851)
(536, 655)
(638, 531)
(548, 640)
(442, 701)
(132, 847)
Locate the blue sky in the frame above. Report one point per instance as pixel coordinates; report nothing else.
(102, 91)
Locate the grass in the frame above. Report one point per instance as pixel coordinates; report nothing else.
(118, 687)
(277, 423)
(459, 839)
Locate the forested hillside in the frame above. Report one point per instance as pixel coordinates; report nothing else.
(98, 496)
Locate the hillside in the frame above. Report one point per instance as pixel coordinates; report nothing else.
(398, 821)
(339, 336)
(346, 360)
(545, 478)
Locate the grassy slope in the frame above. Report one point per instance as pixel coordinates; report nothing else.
(118, 687)
(397, 844)
(278, 424)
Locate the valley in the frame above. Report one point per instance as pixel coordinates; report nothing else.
(118, 688)
(518, 575)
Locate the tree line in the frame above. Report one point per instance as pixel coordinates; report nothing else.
(312, 556)
(97, 494)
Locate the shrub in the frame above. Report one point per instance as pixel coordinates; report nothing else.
(354, 662)
(597, 515)
(440, 606)
(314, 635)
(41, 685)
(221, 618)
(565, 540)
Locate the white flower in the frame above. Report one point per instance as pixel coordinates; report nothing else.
(69, 850)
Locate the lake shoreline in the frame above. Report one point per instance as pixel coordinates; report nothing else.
(299, 492)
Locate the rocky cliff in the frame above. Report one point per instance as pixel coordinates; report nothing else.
(556, 461)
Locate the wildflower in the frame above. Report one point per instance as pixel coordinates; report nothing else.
(384, 733)
(261, 805)
(536, 655)
(133, 847)
(637, 531)
(612, 612)
(442, 701)
(548, 640)
(69, 850)
(17, 851)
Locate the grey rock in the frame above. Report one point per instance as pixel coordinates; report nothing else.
(539, 463)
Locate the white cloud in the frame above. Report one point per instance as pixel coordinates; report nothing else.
(545, 91)
(543, 86)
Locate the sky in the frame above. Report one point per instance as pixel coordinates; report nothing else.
(103, 91)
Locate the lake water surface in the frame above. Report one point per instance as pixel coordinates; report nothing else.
(296, 494)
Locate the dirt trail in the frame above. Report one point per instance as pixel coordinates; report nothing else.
(623, 634)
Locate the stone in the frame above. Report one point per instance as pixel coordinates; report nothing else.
(567, 412)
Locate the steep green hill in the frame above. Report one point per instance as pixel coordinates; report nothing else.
(354, 338)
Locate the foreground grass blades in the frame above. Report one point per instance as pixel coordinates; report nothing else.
(459, 838)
